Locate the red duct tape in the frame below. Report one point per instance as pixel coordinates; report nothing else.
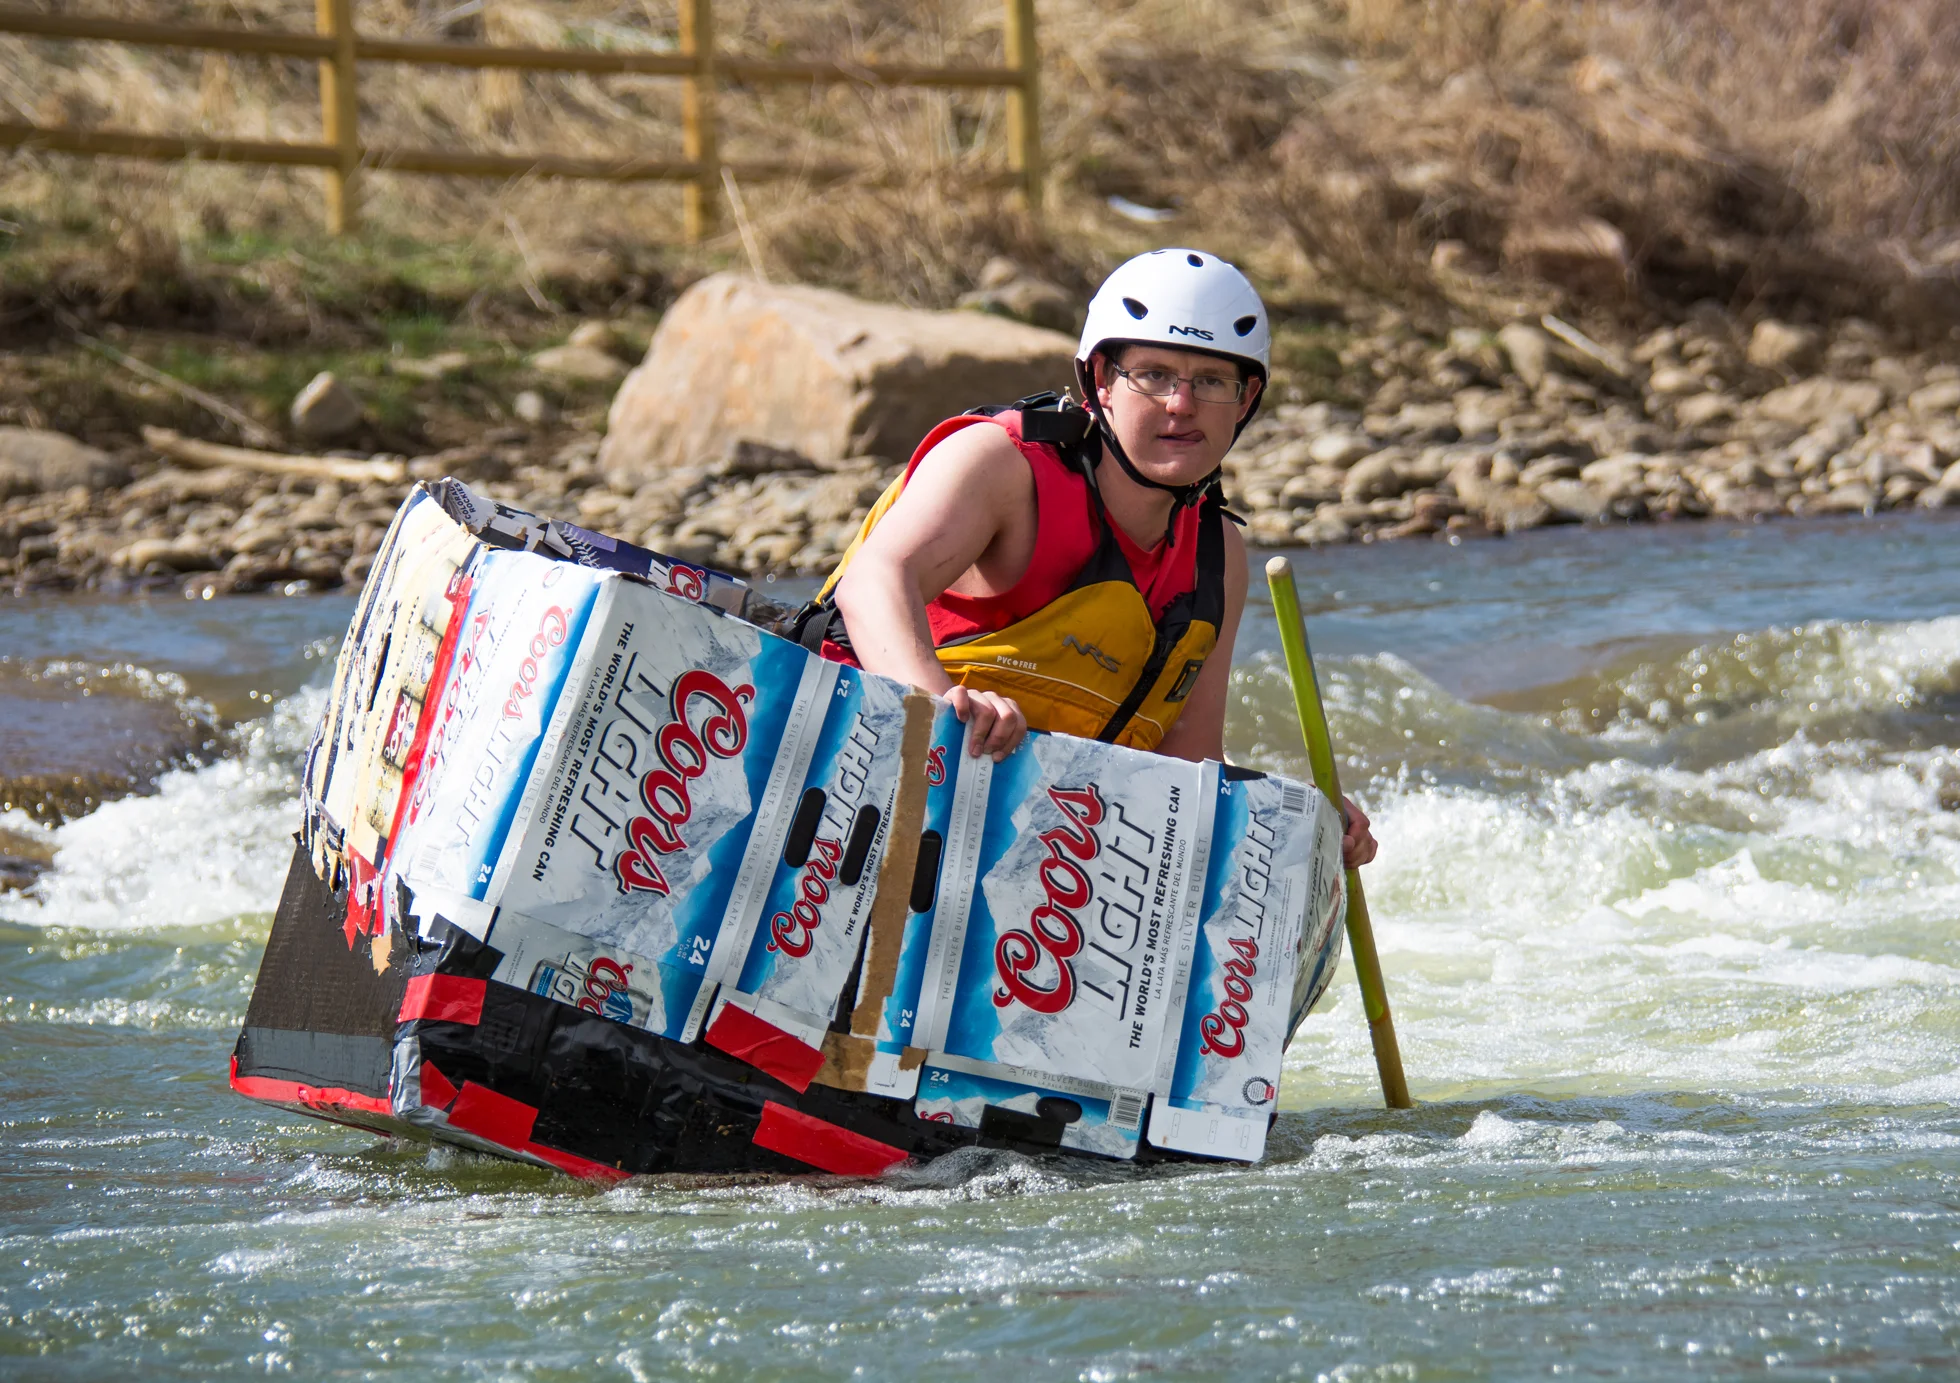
(822, 1144)
(765, 1046)
(437, 1092)
(445, 998)
(482, 1111)
(312, 1096)
(571, 1164)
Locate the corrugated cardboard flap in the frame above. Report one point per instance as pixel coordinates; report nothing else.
(847, 1057)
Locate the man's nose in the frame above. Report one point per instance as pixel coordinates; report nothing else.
(1181, 400)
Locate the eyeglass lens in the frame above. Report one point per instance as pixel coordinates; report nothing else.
(1204, 388)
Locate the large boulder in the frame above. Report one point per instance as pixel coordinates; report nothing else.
(34, 461)
(813, 372)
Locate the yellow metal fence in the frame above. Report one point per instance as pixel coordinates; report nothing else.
(341, 49)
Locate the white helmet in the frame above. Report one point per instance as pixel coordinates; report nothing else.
(1183, 298)
(1186, 299)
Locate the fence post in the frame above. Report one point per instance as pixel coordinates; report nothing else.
(501, 90)
(1024, 101)
(698, 140)
(340, 111)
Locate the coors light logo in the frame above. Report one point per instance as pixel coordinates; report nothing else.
(1223, 1029)
(684, 750)
(1096, 896)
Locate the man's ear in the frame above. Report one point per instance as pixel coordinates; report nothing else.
(1253, 387)
(1099, 376)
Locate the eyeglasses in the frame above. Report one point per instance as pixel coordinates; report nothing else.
(1161, 384)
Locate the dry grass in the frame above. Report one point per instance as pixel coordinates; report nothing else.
(1623, 159)
(1797, 157)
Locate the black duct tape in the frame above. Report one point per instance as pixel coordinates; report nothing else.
(323, 1018)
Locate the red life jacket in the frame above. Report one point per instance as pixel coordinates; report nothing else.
(1099, 637)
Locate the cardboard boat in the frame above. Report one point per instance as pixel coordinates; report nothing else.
(598, 872)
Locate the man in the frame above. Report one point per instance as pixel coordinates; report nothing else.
(1019, 574)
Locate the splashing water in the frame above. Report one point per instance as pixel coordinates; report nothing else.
(1566, 917)
(1667, 899)
(209, 845)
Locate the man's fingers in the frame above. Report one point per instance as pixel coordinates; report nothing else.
(980, 717)
(1357, 842)
(1003, 728)
(975, 714)
(1010, 727)
(995, 723)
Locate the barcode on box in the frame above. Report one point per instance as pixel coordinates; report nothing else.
(1292, 798)
(1126, 1110)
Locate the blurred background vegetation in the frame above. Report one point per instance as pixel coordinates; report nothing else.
(1439, 162)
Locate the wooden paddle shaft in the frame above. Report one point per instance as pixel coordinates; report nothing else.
(1327, 777)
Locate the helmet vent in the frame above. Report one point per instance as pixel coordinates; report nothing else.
(1136, 309)
(1194, 261)
(1244, 325)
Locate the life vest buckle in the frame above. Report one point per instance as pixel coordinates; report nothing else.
(1053, 418)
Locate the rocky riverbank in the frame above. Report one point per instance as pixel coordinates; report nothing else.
(1479, 434)
(1498, 433)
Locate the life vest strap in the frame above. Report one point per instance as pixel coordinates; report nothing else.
(1207, 590)
(818, 623)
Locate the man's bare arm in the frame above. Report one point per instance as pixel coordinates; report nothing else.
(949, 517)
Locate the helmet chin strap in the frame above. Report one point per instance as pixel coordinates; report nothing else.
(1181, 495)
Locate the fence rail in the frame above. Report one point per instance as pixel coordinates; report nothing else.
(340, 50)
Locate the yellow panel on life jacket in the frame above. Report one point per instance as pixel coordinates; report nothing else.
(1091, 663)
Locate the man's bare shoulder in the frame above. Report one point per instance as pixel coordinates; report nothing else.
(976, 453)
(975, 482)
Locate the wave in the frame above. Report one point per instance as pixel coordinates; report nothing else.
(1887, 685)
(1578, 908)
(208, 846)
(1791, 674)
(1629, 927)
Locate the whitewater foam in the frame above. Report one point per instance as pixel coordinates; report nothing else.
(210, 845)
(1580, 917)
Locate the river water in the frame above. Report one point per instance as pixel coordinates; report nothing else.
(1669, 903)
